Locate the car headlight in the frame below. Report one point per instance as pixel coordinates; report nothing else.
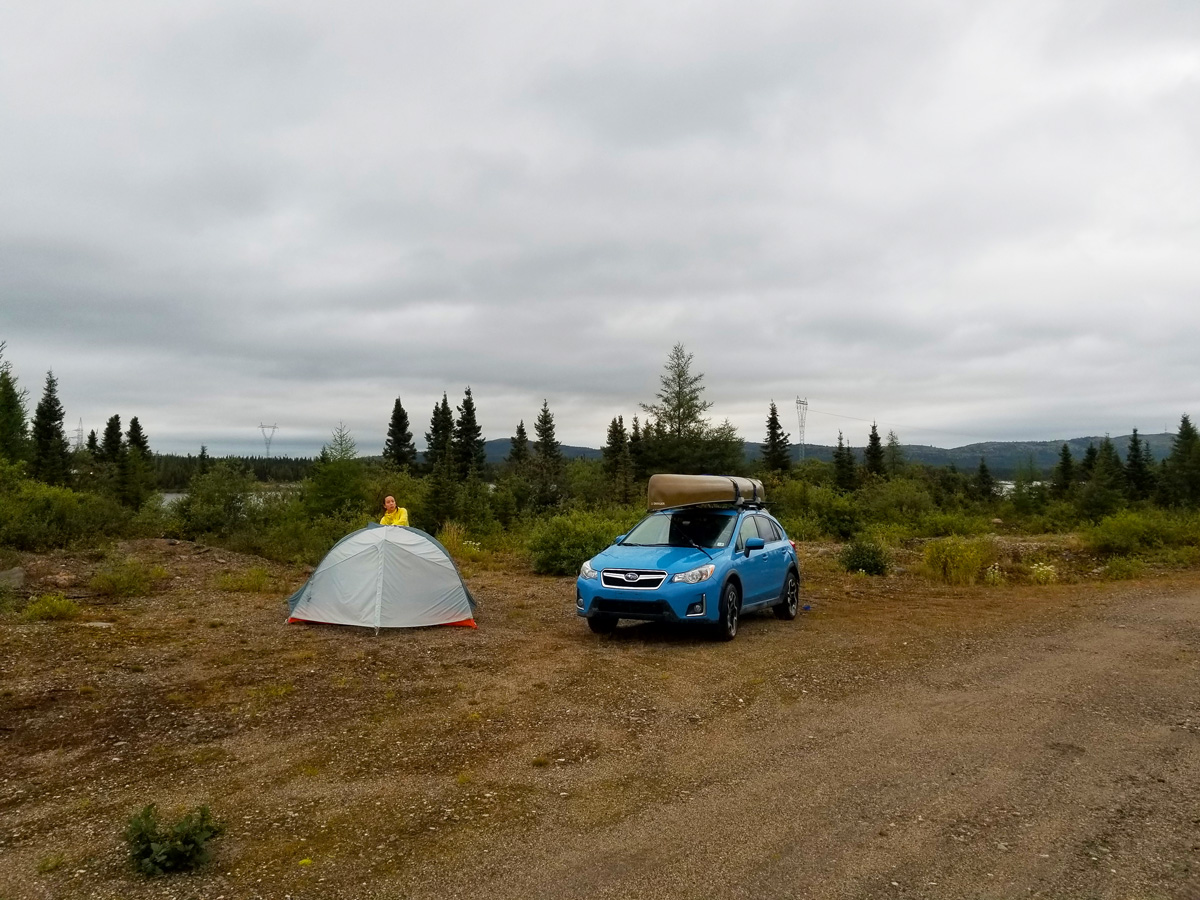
(586, 570)
(696, 575)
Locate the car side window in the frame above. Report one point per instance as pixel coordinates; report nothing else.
(747, 531)
(767, 530)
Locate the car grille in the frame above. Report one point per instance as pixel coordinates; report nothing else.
(632, 579)
(633, 609)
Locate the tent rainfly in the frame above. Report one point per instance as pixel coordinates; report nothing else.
(384, 576)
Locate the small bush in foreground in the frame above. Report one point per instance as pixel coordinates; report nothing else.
(178, 847)
(1043, 573)
(51, 608)
(993, 575)
(959, 561)
(1122, 568)
(866, 556)
(126, 578)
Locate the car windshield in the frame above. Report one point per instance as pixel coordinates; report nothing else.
(707, 528)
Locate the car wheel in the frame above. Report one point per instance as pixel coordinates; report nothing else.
(602, 623)
(731, 601)
(789, 602)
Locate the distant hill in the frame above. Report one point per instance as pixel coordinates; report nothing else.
(1003, 457)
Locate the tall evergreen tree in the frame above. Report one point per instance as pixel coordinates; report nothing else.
(93, 444)
(844, 476)
(873, 455)
(1088, 464)
(111, 443)
(14, 434)
(984, 485)
(468, 444)
(518, 451)
(1180, 481)
(1062, 481)
(440, 435)
(547, 464)
(50, 460)
(893, 456)
(680, 408)
(1139, 477)
(136, 438)
(637, 450)
(1103, 493)
(399, 448)
(614, 447)
(776, 456)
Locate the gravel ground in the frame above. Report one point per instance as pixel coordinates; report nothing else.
(900, 740)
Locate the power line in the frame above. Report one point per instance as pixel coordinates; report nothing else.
(979, 437)
(268, 432)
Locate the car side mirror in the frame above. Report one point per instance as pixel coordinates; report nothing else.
(618, 538)
(754, 544)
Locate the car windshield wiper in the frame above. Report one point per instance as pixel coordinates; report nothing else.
(687, 537)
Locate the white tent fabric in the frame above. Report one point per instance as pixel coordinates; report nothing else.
(384, 576)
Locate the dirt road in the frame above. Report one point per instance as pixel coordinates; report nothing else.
(899, 740)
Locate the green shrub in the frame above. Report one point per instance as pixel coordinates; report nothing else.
(864, 555)
(181, 846)
(838, 513)
(1043, 573)
(252, 581)
(802, 527)
(957, 560)
(217, 502)
(1130, 532)
(51, 608)
(898, 500)
(37, 517)
(946, 523)
(1121, 568)
(559, 546)
(993, 575)
(126, 577)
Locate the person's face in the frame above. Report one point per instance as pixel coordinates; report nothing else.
(389, 503)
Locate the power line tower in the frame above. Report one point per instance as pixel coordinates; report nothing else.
(801, 415)
(268, 433)
(79, 437)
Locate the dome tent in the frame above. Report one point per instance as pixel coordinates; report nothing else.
(384, 576)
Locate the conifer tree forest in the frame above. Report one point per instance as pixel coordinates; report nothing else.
(54, 494)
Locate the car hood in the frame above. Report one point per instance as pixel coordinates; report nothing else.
(672, 559)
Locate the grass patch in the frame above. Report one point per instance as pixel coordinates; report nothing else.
(252, 581)
(959, 561)
(51, 863)
(1123, 568)
(51, 608)
(126, 577)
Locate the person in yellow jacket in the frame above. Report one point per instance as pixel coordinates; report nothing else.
(393, 514)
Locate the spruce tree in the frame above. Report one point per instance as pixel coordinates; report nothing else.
(1139, 478)
(844, 475)
(111, 443)
(136, 438)
(547, 465)
(1103, 493)
(518, 450)
(680, 408)
(202, 461)
(1088, 464)
(1062, 481)
(1180, 482)
(637, 450)
(873, 455)
(440, 434)
(468, 444)
(615, 445)
(776, 457)
(14, 433)
(893, 456)
(399, 448)
(984, 485)
(50, 459)
(93, 444)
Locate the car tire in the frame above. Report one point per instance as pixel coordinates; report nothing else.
(789, 602)
(730, 606)
(602, 623)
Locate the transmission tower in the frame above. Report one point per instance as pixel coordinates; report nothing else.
(801, 415)
(79, 437)
(268, 433)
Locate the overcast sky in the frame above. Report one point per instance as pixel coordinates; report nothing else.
(967, 221)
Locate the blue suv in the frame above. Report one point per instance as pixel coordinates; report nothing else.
(704, 564)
